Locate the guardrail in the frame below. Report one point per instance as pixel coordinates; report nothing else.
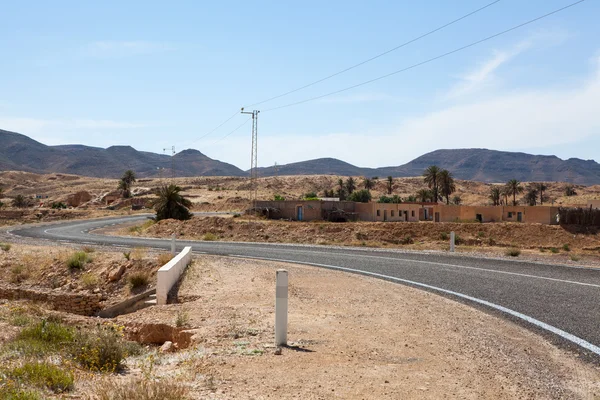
(169, 274)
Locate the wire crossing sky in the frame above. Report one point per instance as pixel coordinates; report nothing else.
(154, 75)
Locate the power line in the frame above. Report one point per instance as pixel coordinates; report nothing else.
(235, 130)
(428, 60)
(220, 125)
(378, 55)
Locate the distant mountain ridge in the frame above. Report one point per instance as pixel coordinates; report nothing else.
(21, 153)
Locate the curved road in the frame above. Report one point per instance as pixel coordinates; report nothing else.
(559, 301)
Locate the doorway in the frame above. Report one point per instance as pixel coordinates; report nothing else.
(384, 215)
(479, 217)
(519, 217)
(437, 217)
(299, 213)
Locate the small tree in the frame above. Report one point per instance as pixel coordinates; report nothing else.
(513, 187)
(20, 201)
(430, 176)
(457, 200)
(390, 184)
(532, 195)
(310, 196)
(495, 195)
(350, 185)
(446, 183)
(171, 204)
(541, 187)
(125, 183)
(360, 196)
(423, 195)
(368, 183)
(570, 191)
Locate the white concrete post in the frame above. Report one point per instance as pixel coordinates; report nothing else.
(281, 307)
(173, 249)
(452, 240)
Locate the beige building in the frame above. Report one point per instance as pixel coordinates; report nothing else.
(528, 214)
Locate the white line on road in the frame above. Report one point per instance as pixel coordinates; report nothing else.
(563, 334)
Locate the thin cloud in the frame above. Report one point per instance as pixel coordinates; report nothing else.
(357, 98)
(33, 125)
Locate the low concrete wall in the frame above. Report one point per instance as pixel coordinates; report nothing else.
(169, 274)
(82, 304)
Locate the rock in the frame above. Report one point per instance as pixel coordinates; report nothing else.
(116, 273)
(97, 290)
(278, 351)
(167, 347)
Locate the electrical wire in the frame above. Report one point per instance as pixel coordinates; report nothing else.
(378, 55)
(223, 137)
(220, 125)
(428, 60)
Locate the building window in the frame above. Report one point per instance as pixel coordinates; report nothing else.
(413, 213)
(378, 213)
(392, 213)
(510, 215)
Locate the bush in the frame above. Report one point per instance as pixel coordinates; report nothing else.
(5, 246)
(138, 280)
(554, 250)
(182, 319)
(566, 247)
(360, 196)
(575, 257)
(142, 389)
(278, 198)
(43, 375)
(444, 236)
(18, 274)
(164, 258)
(78, 260)
(513, 252)
(237, 215)
(11, 393)
(127, 255)
(103, 350)
(43, 337)
(209, 237)
(89, 280)
(406, 240)
(58, 206)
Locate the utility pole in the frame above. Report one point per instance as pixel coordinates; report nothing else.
(172, 160)
(253, 156)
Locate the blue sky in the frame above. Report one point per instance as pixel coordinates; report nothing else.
(157, 74)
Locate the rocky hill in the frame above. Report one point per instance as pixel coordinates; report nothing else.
(21, 153)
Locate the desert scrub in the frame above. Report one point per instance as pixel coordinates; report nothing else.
(141, 389)
(5, 246)
(89, 280)
(554, 250)
(138, 253)
(43, 375)
(10, 392)
(42, 338)
(127, 255)
(444, 236)
(209, 237)
(513, 252)
(78, 260)
(164, 258)
(575, 257)
(88, 249)
(102, 350)
(181, 319)
(138, 279)
(18, 274)
(566, 247)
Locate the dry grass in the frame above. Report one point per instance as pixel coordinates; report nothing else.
(90, 280)
(138, 280)
(141, 389)
(164, 258)
(138, 254)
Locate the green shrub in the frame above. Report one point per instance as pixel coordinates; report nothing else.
(554, 250)
(566, 247)
(58, 206)
(407, 240)
(491, 241)
(513, 252)
(138, 280)
(43, 375)
(480, 234)
(103, 350)
(127, 255)
(575, 257)
(78, 260)
(18, 274)
(11, 393)
(210, 237)
(90, 280)
(182, 319)
(360, 196)
(444, 236)
(42, 338)
(5, 246)
(237, 215)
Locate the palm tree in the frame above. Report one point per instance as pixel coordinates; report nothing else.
(531, 195)
(446, 183)
(513, 187)
(431, 179)
(390, 184)
(350, 185)
(423, 195)
(368, 183)
(171, 204)
(20, 201)
(457, 200)
(541, 187)
(495, 195)
(125, 183)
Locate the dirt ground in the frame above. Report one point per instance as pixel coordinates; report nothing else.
(538, 242)
(352, 337)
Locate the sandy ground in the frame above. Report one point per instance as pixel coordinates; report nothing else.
(354, 338)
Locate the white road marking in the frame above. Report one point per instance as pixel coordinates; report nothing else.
(563, 334)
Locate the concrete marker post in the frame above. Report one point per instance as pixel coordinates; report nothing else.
(173, 247)
(281, 307)
(452, 240)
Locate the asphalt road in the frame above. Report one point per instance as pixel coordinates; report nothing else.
(561, 302)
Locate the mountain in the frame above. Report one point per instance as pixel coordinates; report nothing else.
(469, 164)
(21, 153)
